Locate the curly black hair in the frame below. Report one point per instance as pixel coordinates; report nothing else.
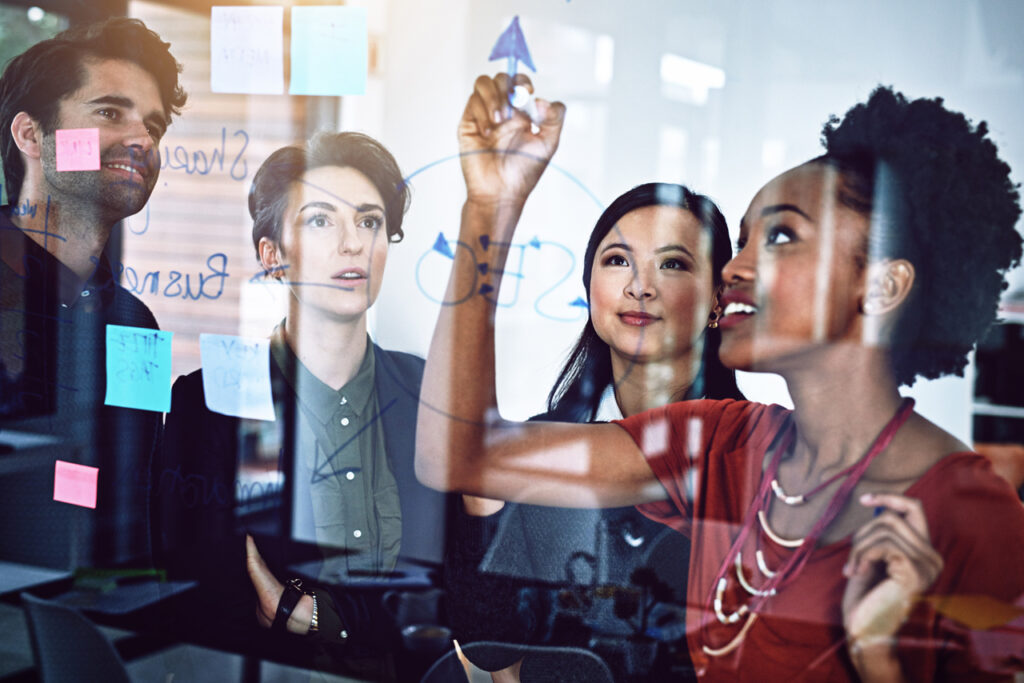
(940, 197)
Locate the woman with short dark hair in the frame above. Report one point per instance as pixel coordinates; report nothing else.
(324, 216)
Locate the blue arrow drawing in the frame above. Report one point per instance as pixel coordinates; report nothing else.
(441, 246)
(535, 243)
(511, 45)
(579, 302)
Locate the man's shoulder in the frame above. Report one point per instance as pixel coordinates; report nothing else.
(128, 309)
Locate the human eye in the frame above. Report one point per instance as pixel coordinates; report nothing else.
(371, 222)
(779, 234)
(674, 264)
(615, 260)
(317, 220)
(109, 113)
(155, 130)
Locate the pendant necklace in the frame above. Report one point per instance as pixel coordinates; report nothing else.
(802, 548)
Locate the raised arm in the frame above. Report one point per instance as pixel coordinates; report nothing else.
(462, 443)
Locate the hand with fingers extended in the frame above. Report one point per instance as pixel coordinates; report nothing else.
(269, 591)
(892, 562)
(502, 158)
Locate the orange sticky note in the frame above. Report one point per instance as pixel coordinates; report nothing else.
(75, 484)
(78, 149)
(978, 612)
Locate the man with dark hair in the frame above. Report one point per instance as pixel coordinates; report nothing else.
(57, 291)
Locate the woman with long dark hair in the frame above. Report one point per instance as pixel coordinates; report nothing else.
(651, 271)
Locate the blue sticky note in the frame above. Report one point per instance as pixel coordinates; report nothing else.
(329, 51)
(138, 368)
(236, 375)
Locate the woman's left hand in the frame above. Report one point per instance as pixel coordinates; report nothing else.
(892, 562)
(269, 591)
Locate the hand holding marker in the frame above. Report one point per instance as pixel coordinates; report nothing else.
(520, 98)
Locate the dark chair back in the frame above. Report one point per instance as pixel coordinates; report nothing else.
(540, 664)
(68, 647)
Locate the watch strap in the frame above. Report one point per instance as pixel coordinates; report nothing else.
(291, 596)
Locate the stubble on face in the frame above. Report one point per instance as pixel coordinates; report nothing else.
(129, 169)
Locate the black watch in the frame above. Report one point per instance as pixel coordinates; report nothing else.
(292, 594)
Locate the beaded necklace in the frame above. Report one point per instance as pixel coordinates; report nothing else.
(803, 548)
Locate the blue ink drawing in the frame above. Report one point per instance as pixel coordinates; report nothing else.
(441, 246)
(511, 45)
(578, 301)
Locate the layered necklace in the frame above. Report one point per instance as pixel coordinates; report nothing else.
(756, 514)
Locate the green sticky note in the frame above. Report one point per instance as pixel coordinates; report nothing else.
(138, 368)
(329, 51)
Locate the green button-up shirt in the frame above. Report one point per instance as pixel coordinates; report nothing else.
(341, 468)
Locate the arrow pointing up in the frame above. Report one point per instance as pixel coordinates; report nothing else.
(441, 246)
(511, 45)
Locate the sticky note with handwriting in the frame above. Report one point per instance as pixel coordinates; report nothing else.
(247, 50)
(138, 368)
(329, 51)
(236, 375)
(75, 484)
(78, 149)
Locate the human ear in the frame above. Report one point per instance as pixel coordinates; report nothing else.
(270, 257)
(888, 285)
(716, 308)
(27, 134)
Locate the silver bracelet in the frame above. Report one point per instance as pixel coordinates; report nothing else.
(314, 623)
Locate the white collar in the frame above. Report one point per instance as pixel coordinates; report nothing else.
(608, 408)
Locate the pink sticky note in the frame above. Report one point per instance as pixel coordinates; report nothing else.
(78, 149)
(75, 484)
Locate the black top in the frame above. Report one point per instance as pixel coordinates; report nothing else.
(535, 575)
(57, 323)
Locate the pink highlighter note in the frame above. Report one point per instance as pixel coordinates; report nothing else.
(78, 149)
(75, 484)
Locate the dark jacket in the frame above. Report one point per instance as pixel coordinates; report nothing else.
(53, 327)
(200, 532)
(536, 575)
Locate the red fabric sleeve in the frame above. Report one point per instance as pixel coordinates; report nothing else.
(976, 523)
(683, 442)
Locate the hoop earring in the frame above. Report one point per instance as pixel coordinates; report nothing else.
(713, 319)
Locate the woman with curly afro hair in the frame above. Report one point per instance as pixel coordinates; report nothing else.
(849, 538)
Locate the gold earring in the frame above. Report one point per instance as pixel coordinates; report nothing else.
(713, 319)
